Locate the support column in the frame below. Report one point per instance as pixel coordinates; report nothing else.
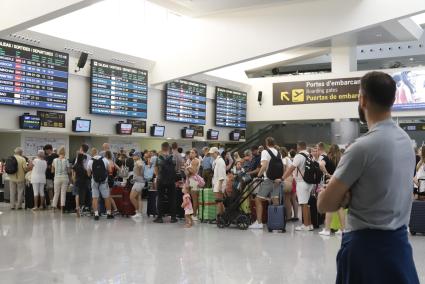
(344, 54)
(344, 131)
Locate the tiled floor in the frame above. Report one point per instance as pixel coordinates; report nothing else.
(44, 247)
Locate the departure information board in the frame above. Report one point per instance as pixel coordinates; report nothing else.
(118, 90)
(186, 102)
(230, 108)
(52, 119)
(33, 77)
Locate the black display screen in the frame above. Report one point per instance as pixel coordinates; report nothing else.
(118, 90)
(33, 77)
(52, 119)
(230, 108)
(32, 122)
(139, 126)
(186, 102)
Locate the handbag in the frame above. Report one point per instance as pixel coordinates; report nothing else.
(124, 171)
(199, 180)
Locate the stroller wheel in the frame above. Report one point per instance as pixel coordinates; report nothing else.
(243, 222)
(220, 222)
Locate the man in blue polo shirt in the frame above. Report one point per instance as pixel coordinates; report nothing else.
(374, 178)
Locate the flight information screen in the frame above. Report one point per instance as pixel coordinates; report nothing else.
(186, 101)
(33, 77)
(118, 90)
(230, 108)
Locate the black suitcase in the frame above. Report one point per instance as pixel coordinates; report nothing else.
(69, 203)
(29, 197)
(151, 208)
(317, 219)
(417, 218)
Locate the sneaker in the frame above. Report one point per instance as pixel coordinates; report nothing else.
(310, 228)
(300, 228)
(173, 220)
(137, 215)
(110, 216)
(256, 226)
(325, 232)
(96, 217)
(339, 232)
(195, 218)
(115, 212)
(158, 220)
(35, 209)
(12, 208)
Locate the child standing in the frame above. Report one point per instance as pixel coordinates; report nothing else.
(187, 205)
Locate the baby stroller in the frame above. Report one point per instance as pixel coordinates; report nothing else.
(233, 202)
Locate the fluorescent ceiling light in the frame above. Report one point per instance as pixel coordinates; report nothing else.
(419, 19)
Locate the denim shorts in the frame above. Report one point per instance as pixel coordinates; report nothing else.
(100, 188)
(269, 189)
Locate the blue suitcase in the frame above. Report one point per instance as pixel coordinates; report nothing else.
(276, 216)
(417, 218)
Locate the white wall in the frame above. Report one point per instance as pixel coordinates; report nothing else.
(268, 112)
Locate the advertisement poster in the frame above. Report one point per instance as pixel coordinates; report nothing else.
(410, 90)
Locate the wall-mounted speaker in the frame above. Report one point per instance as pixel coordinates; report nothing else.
(260, 97)
(82, 60)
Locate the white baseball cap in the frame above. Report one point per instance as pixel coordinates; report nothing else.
(214, 150)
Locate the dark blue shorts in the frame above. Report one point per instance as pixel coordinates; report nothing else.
(376, 257)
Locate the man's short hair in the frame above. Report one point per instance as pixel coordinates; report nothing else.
(48, 147)
(174, 146)
(165, 146)
(302, 144)
(18, 151)
(379, 88)
(85, 147)
(270, 142)
(254, 148)
(247, 153)
(180, 150)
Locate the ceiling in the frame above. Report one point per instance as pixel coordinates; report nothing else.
(199, 8)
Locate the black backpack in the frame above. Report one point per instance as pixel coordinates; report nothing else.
(167, 170)
(99, 171)
(275, 168)
(11, 166)
(312, 174)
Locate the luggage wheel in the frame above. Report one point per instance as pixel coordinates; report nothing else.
(243, 222)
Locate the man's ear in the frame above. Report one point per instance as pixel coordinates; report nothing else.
(362, 101)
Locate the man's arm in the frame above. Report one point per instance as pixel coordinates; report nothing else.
(289, 172)
(263, 168)
(335, 196)
(349, 170)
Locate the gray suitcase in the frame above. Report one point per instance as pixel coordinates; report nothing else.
(417, 218)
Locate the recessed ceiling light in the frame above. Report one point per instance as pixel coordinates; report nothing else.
(411, 59)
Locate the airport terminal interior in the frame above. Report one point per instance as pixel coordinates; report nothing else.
(139, 138)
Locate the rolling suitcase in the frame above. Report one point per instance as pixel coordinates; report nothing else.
(417, 217)
(276, 216)
(69, 201)
(121, 197)
(29, 197)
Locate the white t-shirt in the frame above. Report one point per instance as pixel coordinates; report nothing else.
(299, 163)
(420, 174)
(265, 156)
(219, 173)
(287, 162)
(90, 163)
(38, 174)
